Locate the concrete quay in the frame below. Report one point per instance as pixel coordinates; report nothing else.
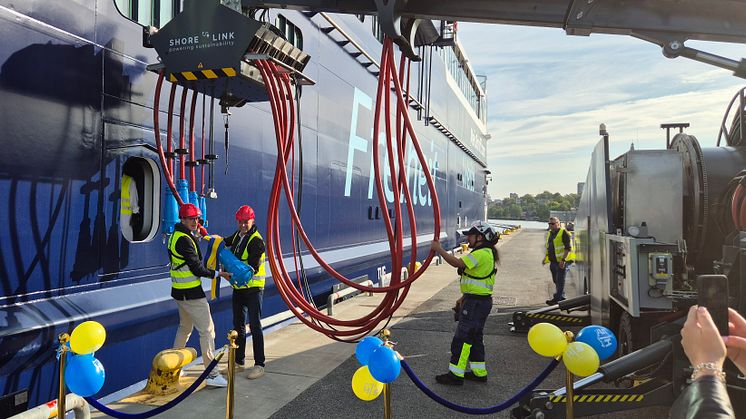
(309, 375)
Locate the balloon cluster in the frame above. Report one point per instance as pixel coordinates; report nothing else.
(380, 365)
(84, 374)
(582, 357)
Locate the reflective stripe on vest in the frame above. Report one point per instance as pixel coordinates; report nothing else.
(559, 247)
(181, 276)
(258, 279)
(126, 207)
(481, 279)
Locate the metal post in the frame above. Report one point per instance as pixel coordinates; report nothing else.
(386, 401)
(569, 384)
(63, 339)
(570, 395)
(385, 335)
(230, 402)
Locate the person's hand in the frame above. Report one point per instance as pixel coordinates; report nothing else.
(701, 340)
(736, 342)
(562, 264)
(202, 231)
(226, 275)
(544, 261)
(435, 245)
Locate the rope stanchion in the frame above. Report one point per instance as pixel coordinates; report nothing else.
(479, 410)
(160, 409)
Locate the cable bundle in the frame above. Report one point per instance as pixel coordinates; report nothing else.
(278, 85)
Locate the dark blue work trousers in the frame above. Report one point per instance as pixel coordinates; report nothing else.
(248, 300)
(468, 342)
(558, 277)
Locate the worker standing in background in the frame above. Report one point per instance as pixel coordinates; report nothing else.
(248, 246)
(560, 253)
(130, 219)
(478, 270)
(186, 288)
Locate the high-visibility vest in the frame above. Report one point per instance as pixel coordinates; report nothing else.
(258, 279)
(559, 247)
(125, 195)
(481, 279)
(181, 276)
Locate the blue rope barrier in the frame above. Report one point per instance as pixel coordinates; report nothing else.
(479, 410)
(160, 409)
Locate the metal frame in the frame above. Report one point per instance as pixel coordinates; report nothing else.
(668, 23)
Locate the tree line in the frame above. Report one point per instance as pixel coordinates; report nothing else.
(532, 207)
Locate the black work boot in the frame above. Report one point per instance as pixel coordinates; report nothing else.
(449, 379)
(469, 375)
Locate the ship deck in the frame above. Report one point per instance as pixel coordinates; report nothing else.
(309, 376)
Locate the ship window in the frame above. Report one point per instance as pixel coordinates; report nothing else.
(149, 12)
(291, 32)
(139, 205)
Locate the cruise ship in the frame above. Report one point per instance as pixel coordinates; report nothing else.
(77, 87)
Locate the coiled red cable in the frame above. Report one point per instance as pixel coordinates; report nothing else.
(283, 111)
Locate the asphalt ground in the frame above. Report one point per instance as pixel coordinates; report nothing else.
(423, 337)
(309, 376)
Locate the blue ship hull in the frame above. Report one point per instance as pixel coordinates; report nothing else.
(77, 103)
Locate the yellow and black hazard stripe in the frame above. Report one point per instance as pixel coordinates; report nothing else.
(600, 398)
(202, 74)
(559, 317)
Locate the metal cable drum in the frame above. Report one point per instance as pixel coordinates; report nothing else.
(707, 172)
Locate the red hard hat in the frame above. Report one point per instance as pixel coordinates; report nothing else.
(189, 211)
(245, 213)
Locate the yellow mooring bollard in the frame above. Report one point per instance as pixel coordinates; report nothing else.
(63, 339)
(229, 401)
(164, 372)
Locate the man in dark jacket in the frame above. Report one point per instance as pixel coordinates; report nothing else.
(248, 246)
(186, 288)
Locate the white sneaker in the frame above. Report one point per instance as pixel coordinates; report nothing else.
(217, 381)
(255, 372)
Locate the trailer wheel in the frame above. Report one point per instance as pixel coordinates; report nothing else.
(625, 339)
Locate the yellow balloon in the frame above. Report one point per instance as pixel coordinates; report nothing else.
(547, 339)
(87, 337)
(365, 386)
(580, 359)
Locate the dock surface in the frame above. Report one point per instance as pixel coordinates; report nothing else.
(309, 376)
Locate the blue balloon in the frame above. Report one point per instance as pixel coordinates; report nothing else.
(599, 338)
(365, 348)
(84, 374)
(384, 364)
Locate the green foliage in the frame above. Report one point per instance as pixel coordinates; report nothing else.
(532, 207)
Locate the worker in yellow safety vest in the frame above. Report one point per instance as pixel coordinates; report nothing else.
(560, 254)
(248, 246)
(478, 270)
(187, 270)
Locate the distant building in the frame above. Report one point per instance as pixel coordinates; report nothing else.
(581, 187)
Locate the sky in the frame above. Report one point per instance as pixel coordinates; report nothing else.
(548, 92)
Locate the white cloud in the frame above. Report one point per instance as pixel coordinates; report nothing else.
(548, 93)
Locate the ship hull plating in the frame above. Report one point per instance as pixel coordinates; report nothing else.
(77, 104)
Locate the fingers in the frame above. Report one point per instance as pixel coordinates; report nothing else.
(739, 324)
(691, 318)
(705, 320)
(735, 342)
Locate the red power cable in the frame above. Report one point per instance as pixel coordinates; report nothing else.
(283, 111)
(192, 145)
(156, 130)
(182, 141)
